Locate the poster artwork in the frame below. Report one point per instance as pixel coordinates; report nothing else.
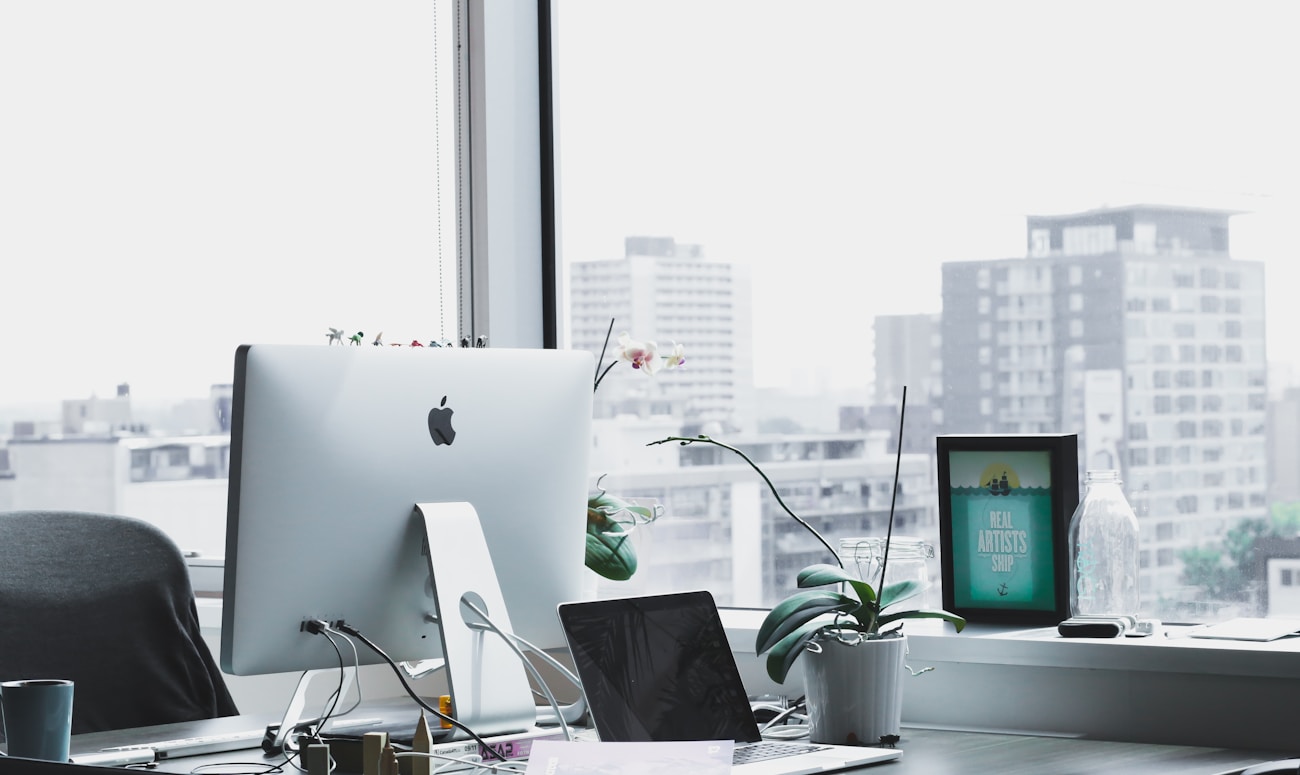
(1002, 528)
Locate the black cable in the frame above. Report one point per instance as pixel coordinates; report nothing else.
(338, 693)
(354, 632)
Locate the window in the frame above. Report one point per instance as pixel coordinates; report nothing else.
(652, 151)
(180, 179)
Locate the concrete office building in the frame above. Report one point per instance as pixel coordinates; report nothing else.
(664, 291)
(1134, 327)
(907, 354)
(177, 483)
(723, 530)
(1284, 447)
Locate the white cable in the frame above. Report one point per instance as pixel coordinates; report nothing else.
(550, 660)
(550, 697)
(472, 760)
(356, 669)
(577, 708)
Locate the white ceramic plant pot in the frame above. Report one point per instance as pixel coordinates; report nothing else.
(854, 692)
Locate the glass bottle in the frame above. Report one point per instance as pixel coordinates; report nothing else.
(908, 559)
(1104, 550)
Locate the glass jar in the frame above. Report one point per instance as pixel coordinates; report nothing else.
(908, 559)
(1104, 550)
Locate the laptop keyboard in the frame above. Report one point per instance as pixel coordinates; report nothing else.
(759, 752)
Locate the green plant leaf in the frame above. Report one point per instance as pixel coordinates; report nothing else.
(788, 649)
(922, 613)
(900, 591)
(610, 553)
(603, 505)
(798, 609)
(820, 575)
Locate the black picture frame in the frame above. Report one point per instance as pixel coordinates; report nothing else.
(1005, 503)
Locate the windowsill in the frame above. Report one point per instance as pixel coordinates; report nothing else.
(1173, 652)
(1174, 690)
(1161, 689)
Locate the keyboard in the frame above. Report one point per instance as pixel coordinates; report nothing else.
(194, 746)
(770, 749)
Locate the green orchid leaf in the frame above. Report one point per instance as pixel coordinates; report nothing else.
(899, 591)
(788, 649)
(820, 575)
(602, 507)
(798, 609)
(610, 553)
(923, 613)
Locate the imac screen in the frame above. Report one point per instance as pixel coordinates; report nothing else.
(332, 447)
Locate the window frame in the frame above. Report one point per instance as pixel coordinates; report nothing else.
(1023, 668)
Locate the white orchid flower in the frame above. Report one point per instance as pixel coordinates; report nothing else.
(676, 356)
(642, 355)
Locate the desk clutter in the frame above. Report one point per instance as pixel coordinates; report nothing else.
(408, 748)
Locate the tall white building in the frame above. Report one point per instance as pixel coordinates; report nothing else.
(668, 292)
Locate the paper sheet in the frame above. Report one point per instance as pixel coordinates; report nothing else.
(694, 757)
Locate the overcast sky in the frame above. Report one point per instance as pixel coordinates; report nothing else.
(870, 142)
(155, 158)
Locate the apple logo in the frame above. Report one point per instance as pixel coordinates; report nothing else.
(440, 424)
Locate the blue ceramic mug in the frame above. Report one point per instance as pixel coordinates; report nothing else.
(37, 718)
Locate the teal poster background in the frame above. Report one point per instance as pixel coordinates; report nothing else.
(1002, 529)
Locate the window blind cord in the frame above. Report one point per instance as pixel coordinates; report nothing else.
(529, 666)
(410, 690)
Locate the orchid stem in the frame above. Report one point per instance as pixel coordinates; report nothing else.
(893, 498)
(601, 374)
(772, 487)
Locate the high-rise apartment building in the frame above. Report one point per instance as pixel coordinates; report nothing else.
(907, 355)
(1134, 327)
(664, 291)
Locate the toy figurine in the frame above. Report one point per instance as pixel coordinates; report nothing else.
(335, 335)
(357, 337)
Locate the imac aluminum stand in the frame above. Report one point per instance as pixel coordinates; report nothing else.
(485, 677)
(276, 735)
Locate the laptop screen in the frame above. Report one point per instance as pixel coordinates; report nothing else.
(658, 668)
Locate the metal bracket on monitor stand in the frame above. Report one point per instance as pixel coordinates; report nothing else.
(487, 682)
(273, 742)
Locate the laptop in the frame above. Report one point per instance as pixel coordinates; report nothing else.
(659, 668)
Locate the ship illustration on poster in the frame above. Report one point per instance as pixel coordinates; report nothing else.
(1001, 506)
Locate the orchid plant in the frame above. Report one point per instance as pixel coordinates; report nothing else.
(611, 519)
(815, 613)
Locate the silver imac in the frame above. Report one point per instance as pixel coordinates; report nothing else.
(331, 449)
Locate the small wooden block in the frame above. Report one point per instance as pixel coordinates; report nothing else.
(372, 749)
(318, 759)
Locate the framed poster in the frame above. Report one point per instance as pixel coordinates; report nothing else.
(1005, 503)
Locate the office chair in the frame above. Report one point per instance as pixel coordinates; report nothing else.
(105, 601)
